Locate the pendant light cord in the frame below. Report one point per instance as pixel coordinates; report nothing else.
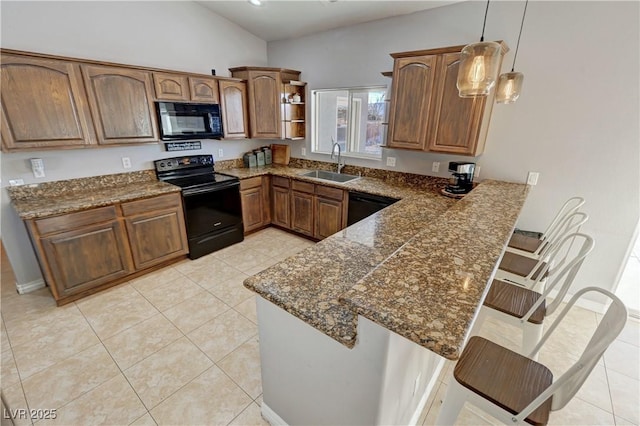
(484, 24)
(515, 55)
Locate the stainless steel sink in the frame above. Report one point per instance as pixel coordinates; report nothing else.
(331, 176)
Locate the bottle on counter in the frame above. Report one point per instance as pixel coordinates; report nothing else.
(250, 159)
(259, 157)
(267, 154)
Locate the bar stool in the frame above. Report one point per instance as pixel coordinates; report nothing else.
(527, 270)
(531, 246)
(527, 309)
(516, 389)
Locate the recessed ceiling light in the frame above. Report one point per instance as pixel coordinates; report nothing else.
(255, 2)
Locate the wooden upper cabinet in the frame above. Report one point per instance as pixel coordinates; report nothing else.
(204, 90)
(172, 87)
(413, 82)
(233, 105)
(264, 104)
(426, 112)
(121, 102)
(456, 121)
(43, 104)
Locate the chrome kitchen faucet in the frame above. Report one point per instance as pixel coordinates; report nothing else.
(339, 165)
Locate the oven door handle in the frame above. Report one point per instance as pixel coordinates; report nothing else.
(214, 188)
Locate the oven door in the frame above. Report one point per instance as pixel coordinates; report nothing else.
(213, 217)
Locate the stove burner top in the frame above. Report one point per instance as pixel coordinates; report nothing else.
(195, 181)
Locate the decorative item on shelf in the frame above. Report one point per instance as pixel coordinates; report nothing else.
(479, 66)
(296, 97)
(510, 83)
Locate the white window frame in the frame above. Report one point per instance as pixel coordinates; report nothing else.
(351, 130)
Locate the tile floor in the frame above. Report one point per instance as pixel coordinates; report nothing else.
(180, 346)
(629, 286)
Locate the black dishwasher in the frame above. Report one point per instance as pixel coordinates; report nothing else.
(363, 205)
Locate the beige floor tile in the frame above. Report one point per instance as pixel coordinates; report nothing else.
(214, 269)
(4, 339)
(232, 291)
(250, 417)
(188, 266)
(107, 298)
(155, 378)
(631, 332)
(145, 420)
(248, 309)
(620, 421)
(67, 380)
(17, 409)
(8, 370)
(579, 412)
(156, 278)
(222, 335)
(194, 312)
(623, 358)
(111, 319)
(625, 394)
(37, 302)
(230, 253)
(171, 293)
(212, 398)
(143, 339)
(262, 266)
(248, 260)
(468, 415)
(31, 328)
(35, 356)
(112, 403)
(243, 366)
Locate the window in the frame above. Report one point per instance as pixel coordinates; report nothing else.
(352, 118)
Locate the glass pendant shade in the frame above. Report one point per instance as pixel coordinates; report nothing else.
(509, 87)
(479, 67)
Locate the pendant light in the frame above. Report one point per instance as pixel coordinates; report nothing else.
(510, 83)
(479, 66)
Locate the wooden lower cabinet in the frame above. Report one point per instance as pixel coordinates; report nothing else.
(156, 230)
(280, 201)
(302, 212)
(82, 252)
(329, 217)
(254, 196)
(317, 210)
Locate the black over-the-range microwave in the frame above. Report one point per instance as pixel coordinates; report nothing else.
(179, 121)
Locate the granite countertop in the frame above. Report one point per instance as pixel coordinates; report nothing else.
(419, 268)
(66, 196)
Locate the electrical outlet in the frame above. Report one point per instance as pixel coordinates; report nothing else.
(16, 182)
(435, 167)
(391, 161)
(126, 162)
(532, 178)
(220, 153)
(303, 152)
(37, 167)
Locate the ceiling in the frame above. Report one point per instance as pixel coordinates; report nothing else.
(283, 19)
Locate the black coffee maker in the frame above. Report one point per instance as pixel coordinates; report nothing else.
(461, 181)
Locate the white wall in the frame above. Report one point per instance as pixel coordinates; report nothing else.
(576, 122)
(172, 35)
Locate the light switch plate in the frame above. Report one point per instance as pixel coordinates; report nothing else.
(126, 162)
(37, 167)
(303, 152)
(532, 178)
(435, 166)
(220, 153)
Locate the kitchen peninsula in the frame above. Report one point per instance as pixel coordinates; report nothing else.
(356, 329)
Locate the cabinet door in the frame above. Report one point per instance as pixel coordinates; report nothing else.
(233, 103)
(172, 87)
(252, 208)
(43, 104)
(281, 207)
(411, 102)
(456, 121)
(302, 212)
(86, 257)
(121, 103)
(156, 229)
(264, 104)
(204, 90)
(329, 217)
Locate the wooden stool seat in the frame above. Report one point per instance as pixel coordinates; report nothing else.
(515, 301)
(503, 377)
(524, 243)
(521, 265)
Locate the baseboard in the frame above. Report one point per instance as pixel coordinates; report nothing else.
(271, 416)
(431, 387)
(30, 286)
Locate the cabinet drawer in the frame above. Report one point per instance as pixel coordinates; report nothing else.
(329, 192)
(250, 183)
(161, 202)
(280, 181)
(71, 221)
(302, 186)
